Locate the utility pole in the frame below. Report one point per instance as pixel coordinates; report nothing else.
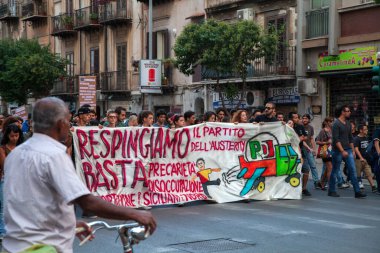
(150, 46)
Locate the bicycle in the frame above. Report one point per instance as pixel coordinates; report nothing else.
(130, 233)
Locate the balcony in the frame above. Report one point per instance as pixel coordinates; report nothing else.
(218, 3)
(115, 81)
(155, 2)
(63, 25)
(34, 11)
(65, 86)
(9, 12)
(115, 13)
(317, 23)
(87, 19)
(282, 64)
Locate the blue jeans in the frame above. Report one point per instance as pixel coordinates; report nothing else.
(2, 227)
(309, 163)
(351, 169)
(376, 171)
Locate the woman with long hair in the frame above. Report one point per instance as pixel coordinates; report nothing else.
(240, 116)
(324, 140)
(12, 138)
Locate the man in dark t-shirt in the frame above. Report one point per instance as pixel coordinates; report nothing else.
(362, 159)
(300, 130)
(343, 149)
(268, 115)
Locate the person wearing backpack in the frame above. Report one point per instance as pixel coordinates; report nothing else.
(361, 143)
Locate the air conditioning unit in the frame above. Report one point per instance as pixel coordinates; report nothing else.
(307, 86)
(255, 98)
(245, 14)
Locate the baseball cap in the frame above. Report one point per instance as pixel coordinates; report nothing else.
(84, 110)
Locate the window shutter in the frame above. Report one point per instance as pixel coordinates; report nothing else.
(167, 44)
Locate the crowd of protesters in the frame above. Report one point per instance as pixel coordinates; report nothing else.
(338, 140)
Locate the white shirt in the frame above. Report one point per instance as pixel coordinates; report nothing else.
(40, 184)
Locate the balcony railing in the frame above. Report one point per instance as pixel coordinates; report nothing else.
(115, 12)
(217, 3)
(9, 12)
(115, 81)
(87, 18)
(63, 25)
(283, 63)
(66, 86)
(317, 23)
(34, 10)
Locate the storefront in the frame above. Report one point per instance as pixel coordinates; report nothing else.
(348, 78)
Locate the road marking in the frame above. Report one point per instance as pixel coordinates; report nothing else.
(334, 224)
(277, 230)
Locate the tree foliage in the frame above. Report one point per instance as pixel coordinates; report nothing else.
(225, 49)
(27, 69)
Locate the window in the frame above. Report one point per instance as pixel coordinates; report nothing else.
(94, 61)
(121, 66)
(279, 23)
(319, 4)
(69, 6)
(70, 65)
(160, 45)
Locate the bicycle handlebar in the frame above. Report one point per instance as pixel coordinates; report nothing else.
(130, 233)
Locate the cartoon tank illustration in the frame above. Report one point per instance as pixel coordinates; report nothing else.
(279, 160)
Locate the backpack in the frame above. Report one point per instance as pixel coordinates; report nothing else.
(370, 153)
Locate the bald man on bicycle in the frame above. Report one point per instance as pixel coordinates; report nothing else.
(41, 187)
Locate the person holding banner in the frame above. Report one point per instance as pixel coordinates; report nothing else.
(240, 116)
(83, 116)
(41, 176)
(161, 119)
(146, 119)
(189, 118)
(178, 121)
(111, 119)
(300, 131)
(268, 114)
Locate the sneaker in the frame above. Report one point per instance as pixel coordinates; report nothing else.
(306, 193)
(343, 186)
(360, 195)
(361, 186)
(333, 194)
(374, 189)
(317, 185)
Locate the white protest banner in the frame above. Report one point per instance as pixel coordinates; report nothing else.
(219, 161)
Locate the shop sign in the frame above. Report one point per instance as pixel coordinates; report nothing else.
(87, 90)
(150, 76)
(229, 103)
(364, 57)
(284, 95)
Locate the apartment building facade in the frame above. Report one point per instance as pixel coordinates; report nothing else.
(267, 81)
(338, 46)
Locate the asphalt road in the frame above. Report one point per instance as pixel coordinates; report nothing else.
(314, 224)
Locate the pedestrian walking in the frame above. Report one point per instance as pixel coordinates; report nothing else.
(343, 149)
